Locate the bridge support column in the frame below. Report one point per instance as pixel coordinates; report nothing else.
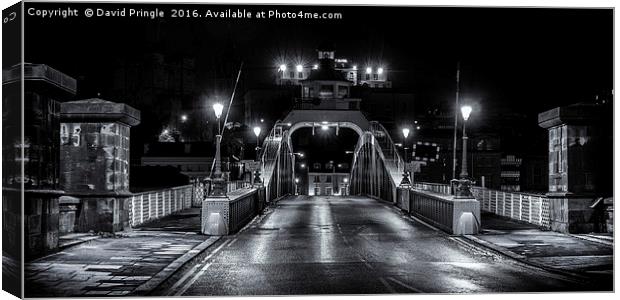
(575, 171)
(94, 162)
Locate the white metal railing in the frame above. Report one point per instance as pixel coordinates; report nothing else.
(152, 205)
(526, 207)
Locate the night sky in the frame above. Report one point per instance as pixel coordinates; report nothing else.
(516, 58)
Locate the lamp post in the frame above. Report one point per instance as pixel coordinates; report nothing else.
(218, 181)
(405, 135)
(463, 188)
(257, 179)
(405, 181)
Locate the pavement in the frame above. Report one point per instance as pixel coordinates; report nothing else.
(353, 245)
(584, 255)
(130, 263)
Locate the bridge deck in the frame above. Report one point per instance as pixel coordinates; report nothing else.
(352, 245)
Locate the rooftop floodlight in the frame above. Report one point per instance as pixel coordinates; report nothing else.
(405, 132)
(218, 108)
(257, 131)
(380, 71)
(299, 68)
(282, 68)
(368, 70)
(466, 111)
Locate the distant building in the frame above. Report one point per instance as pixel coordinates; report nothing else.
(510, 173)
(371, 75)
(328, 179)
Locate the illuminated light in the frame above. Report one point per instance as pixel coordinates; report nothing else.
(405, 132)
(466, 111)
(324, 122)
(418, 127)
(303, 166)
(346, 180)
(257, 131)
(316, 67)
(299, 68)
(301, 155)
(324, 127)
(218, 108)
(184, 118)
(288, 124)
(368, 70)
(165, 131)
(415, 122)
(262, 120)
(380, 71)
(282, 68)
(296, 180)
(354, 67)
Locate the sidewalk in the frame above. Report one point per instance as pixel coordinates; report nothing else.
(587, 255)
(130, 263)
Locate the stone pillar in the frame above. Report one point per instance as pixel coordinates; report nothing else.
(574, 174)
(94, 156)
(37, 172)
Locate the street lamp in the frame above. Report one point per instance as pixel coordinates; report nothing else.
(463, 188)
(405, 135)
(257, 131)
(218, 181)
(183, 118)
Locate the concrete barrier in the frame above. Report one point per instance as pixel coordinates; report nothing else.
(226, 215)
(452, 215)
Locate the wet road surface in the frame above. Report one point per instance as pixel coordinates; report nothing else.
(352, 245)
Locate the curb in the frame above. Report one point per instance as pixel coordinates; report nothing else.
(174, 266)
(475, 242)
(608, 243)
(77, 242)
(519, 258)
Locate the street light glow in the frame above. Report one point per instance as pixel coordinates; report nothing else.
(303, 166)
(282, 68)
(184, 118)
(380, 71)
(218, 108)
(257, 131)
(368, 70)
(299, 68)
(405, 132)
(346, 180)
(466, 111)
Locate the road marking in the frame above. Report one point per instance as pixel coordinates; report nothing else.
(202, 271)
(405, 285)
(387, 285)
